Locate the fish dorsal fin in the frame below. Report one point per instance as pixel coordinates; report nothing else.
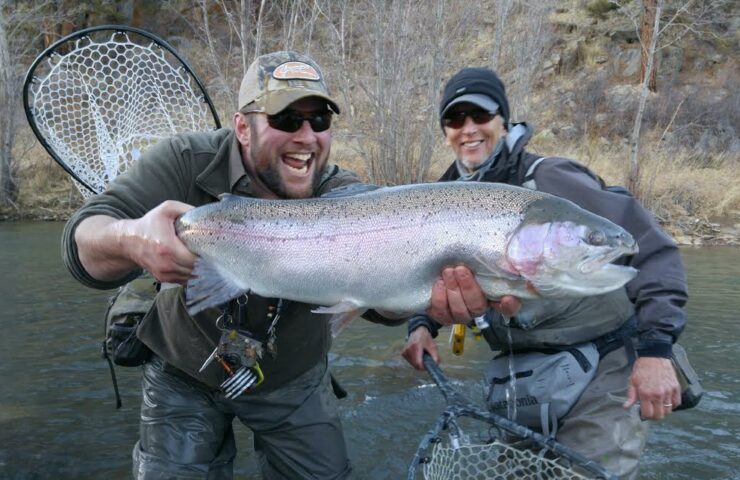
(342, 315)
(228, 197)
(210, 287)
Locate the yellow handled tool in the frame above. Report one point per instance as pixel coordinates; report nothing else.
(458, 338)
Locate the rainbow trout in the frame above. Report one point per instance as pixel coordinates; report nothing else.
(384, 249)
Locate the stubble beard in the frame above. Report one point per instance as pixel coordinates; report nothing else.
(271, 178)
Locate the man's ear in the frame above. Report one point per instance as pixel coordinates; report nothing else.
(241, 128)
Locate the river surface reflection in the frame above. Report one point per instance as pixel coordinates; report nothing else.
(58, 419)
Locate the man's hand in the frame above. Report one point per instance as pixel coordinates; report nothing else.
(154, 245)
(654, 384)
(110, 248)
(418, 342)
(457, 298)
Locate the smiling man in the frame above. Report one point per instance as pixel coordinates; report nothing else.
(634, 328)
(279, 149)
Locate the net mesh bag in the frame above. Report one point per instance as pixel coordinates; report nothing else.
(493, 461)
(467, 442)
(104, 102)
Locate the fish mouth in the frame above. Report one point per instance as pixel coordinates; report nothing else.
(607, 278)
(594, 263)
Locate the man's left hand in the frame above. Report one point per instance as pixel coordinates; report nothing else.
(654, 384)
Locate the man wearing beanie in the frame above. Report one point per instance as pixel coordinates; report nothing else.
(278, 148)
(634, 328)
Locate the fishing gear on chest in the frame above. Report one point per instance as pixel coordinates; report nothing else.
(243, 342)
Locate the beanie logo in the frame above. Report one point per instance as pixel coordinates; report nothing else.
(295, 71)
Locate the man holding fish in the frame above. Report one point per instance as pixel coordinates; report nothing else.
(633, 328)
(278, 149)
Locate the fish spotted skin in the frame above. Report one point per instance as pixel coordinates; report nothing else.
(384, 249)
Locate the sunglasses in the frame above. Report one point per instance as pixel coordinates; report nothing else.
(291, 121)
(457, 119)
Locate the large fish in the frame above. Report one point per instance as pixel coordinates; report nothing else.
(384, 249)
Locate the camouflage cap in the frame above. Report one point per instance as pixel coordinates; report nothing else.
(275, 80)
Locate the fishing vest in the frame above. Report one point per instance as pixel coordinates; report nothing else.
(184, 342)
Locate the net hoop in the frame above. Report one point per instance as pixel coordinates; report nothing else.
(93, 167)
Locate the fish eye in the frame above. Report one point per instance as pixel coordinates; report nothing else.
(596, 237)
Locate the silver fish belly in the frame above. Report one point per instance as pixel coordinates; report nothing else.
(384, 249)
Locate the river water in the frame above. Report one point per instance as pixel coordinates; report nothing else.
(58, 419)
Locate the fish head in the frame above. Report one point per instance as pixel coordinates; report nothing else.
(564, 250)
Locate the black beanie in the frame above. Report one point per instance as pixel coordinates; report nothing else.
(476, 81)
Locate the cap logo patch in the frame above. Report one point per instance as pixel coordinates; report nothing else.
(295, 71)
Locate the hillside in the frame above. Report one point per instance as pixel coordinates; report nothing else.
(571, 69)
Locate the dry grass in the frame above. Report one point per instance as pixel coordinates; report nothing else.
(679, 189)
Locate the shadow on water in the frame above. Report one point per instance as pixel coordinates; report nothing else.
(58, 420)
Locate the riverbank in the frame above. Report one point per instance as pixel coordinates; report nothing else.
(685, 231)
(695, 204)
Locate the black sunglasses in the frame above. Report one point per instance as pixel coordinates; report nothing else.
(291, 121)
(457, 119)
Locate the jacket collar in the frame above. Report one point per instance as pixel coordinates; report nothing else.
(226, 172)
(505, 162)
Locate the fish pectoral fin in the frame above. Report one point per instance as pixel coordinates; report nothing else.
(488, 269)
(547, 288)
(208, 287)
(342, 315)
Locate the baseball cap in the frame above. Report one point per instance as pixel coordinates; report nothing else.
(479, 86)
(275, 80)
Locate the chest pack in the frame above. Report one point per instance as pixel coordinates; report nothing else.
(546, 384)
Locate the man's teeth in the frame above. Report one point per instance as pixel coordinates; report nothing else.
(303, 169)
(298, 162)
(472, 144)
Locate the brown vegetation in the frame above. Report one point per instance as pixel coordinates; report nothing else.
(387, 60)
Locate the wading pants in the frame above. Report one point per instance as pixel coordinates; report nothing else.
(186, 429)
(599, 428)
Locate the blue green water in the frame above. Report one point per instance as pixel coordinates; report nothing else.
(58, 420)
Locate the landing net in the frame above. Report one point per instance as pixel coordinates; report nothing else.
(100, 97)
(470, 443)
(494, 460)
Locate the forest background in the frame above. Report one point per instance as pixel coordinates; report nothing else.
(644, 93)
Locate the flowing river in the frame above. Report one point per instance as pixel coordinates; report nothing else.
(58, 419)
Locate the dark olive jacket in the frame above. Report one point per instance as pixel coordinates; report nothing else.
(195, 169)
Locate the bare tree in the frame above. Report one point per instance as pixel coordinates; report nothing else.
(633, 177)
(502, 11)
(20, 38)
(8, 186)
(230, 33)
(683, 17)
(231, 50)
(393, 61)
(517, 56)
(647, 32)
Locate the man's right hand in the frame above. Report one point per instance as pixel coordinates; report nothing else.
(110, 248)
(418, 342)
(457, 298)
